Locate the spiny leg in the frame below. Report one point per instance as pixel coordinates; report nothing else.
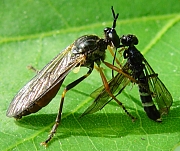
(58, 118)
(107, 88)
(121, 72)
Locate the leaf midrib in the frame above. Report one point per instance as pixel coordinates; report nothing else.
(174, 18)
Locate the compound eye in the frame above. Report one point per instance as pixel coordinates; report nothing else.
(129, 40)
(106, 30)
(135, 40)
(110, 35)
(123, 40)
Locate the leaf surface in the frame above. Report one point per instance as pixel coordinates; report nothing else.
(34, 32)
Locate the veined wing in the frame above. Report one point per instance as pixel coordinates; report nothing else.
(118, 83)
(161, 95)
(51, 75)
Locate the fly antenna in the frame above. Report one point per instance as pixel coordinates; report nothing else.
(115, 17)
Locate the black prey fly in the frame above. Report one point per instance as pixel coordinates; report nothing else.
(150, 86)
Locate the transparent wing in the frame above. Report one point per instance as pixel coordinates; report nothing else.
(51, 75)
(161, 95)
(97, 92)
(116, 84)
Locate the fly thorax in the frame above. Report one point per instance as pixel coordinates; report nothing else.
(92, 47)
(99, 54)
(75, 52)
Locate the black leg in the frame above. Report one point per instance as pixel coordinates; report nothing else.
(58, 118)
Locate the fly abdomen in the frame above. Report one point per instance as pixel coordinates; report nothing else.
(35, 106)
(146, 98)
(149, 106)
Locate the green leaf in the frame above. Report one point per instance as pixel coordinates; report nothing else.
(33, 32)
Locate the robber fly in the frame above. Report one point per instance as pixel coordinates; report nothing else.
(150, 86)
(43, 87)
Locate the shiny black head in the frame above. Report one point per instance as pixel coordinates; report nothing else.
(129, 40)
(111, 36)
